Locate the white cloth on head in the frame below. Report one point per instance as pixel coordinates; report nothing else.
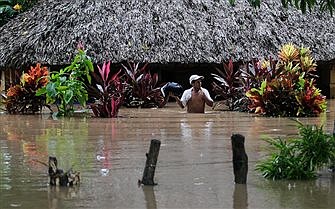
(195, 77)
(188, 94)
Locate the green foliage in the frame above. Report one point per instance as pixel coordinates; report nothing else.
(302, 5)
(81, 66)
(232, 2)
(67, 87)
(10, 8)
(255, 3)
(6, 11)
(298, 158)
(290, 90)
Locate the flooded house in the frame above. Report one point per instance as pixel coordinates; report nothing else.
(177, 38)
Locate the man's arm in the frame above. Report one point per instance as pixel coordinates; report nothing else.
(177, 100)
(208, 102)
(207, 98)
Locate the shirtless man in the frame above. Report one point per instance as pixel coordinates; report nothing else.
(196, 97)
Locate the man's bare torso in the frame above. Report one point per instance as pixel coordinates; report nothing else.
(196, 104)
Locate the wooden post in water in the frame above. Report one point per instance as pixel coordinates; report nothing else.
(240, 159)
(150, 164)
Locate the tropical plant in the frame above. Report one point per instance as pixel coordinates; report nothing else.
(67, 86)
(291, 90)
(298, 158)
(21, 98)
(302, 5)
(228, 86)
(109, 92)
(81, 66)
(255, 72)
(142, 90)
(6, 11)
(10, 8)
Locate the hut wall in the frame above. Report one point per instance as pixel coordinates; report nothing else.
(8, 77)
(2, 81)
(332, 82)
(324, 79)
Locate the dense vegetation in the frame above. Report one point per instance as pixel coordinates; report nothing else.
(10, 8)
(301, 157)
(285, 87)
(302, 5)
(132, 86)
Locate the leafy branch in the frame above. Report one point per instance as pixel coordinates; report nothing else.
(302, 5)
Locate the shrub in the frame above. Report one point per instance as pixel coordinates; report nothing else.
(290, 91)
(109, 92)
(21, 98)
(67, 86)
(142, 90)
(228, 86)
(10, 8)
(298, 158)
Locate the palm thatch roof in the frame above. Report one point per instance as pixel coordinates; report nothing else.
(163, 31)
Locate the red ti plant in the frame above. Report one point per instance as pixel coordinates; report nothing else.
(142, 90)
(109, 92)
(257, 71)
(21, 98)
(228, 86)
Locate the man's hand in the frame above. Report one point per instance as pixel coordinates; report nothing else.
(201, 93)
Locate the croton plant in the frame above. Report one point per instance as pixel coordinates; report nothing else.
(291, 90)
(21, 98)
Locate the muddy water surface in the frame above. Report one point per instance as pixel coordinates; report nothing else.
(194, 167)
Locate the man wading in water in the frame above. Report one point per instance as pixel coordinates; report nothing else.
(196, 97)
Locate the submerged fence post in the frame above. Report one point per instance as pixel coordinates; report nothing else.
(240, 159)
(150, 164)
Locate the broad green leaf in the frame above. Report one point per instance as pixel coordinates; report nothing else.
(51, 89)
(68, 96)
(89, 64)
(41, 91)
(62, 88)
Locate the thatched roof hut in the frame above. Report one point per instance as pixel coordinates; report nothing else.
(182, 31)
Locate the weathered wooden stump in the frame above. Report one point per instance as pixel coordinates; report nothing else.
(240, 159)
(150, 164)
(59, 177)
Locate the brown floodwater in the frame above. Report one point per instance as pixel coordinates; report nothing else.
(194, 168)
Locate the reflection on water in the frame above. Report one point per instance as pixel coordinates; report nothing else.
(150, 198)
(57, 196)
(194, 167)
(240, 197)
